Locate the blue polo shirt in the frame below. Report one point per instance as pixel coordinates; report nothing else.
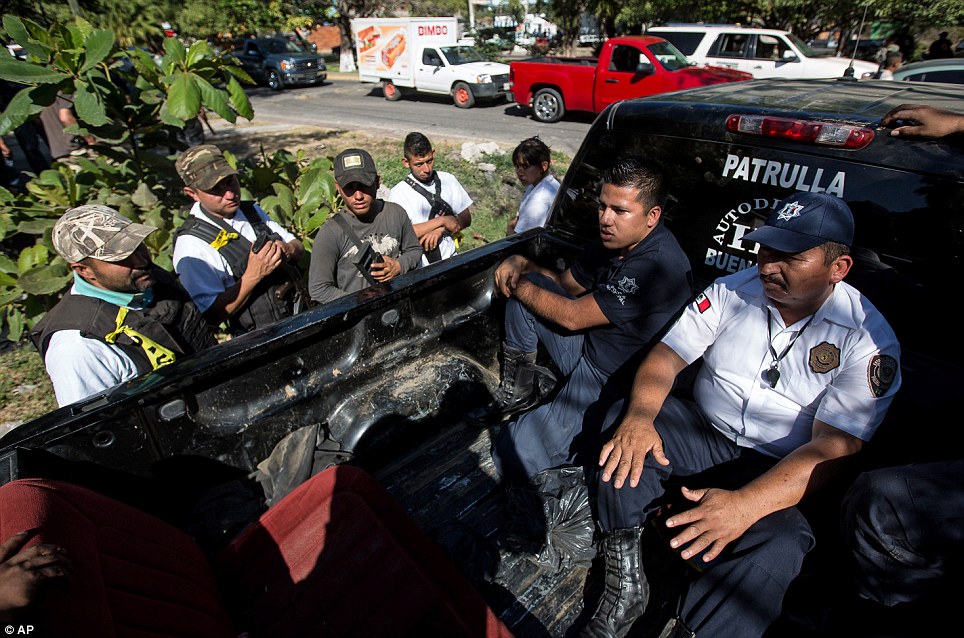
(638, 293)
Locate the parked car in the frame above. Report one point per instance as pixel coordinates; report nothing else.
(627, 67)
(949, 70)
(765, 53)
(382, 379)
(279, 62)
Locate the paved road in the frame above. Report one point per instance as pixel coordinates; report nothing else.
(345, 103)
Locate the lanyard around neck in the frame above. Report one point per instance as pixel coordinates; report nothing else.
(772, 374)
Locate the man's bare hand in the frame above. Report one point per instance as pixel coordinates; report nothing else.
(624, 455)
(451, 224)
(24, 571)
(720, 518)
(507, 274)
(931, 122)
(388, 268)
(431, 239)
(265, 261)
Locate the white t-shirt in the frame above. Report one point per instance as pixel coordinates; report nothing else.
(80, 367)
(418, 208)
(536, 203)
(843, 369)
(204, 273)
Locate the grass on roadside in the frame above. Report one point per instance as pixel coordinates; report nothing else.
(25, 390)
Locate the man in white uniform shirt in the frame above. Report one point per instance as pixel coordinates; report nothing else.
(434, 200)
(237, 264)
(798, 371)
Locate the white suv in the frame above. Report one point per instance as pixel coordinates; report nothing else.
(766, 53)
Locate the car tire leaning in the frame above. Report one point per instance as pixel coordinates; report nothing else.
(274, 80)
(547, 106)
(462, 95)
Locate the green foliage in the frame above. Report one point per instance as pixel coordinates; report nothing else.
(132, 169)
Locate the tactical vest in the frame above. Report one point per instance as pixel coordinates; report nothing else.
(152, 338)
(275, 296)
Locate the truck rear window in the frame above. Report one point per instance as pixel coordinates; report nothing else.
(685, 41)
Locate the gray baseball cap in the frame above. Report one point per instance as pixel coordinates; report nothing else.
(97, 231)
(203, 166)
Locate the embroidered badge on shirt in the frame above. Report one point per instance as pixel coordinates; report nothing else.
(702, 303)
(628, 285)
(789, 211)
(881, 372)
(824, 357)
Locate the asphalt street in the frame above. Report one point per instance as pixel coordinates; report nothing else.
(345, 103)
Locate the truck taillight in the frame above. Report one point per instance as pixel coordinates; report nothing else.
(823, 133)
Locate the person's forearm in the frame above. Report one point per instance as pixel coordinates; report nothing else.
(802, 472)
(465, 218)
(571, 314)
(424, 228)
(231, 300)
(653, 382)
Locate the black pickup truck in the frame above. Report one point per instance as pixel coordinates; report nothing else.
(278, 63)
(382, 379)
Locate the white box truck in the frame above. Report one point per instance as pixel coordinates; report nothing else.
(423, 54)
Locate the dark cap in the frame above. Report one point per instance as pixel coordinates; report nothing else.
(804, 221)
(203, 166)
(355, 165)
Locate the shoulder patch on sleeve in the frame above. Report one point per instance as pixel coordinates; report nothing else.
(881, 372)
(702, 303)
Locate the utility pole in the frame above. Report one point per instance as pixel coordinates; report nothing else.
(471, 16)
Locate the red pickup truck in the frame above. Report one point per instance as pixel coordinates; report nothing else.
(627, 67)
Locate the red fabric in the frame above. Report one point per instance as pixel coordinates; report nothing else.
(340, 556)
(133, 575)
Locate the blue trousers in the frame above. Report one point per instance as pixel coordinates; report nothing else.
(740, 593)
(905, 528)
(565, 430)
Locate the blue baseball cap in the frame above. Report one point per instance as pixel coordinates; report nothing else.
(806, 220)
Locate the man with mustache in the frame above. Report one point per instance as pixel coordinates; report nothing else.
(369, 241)
(123, 316)
(798, 371)
(238, 265)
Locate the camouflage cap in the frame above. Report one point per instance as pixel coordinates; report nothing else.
(97, 231)
(203, 166)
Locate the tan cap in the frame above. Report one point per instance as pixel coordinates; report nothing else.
(203, 166)
(97, 231)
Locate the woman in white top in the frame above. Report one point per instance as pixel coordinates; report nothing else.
(531, 160)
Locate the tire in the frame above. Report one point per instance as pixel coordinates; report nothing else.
(274, 81)
(391, 92)
(462, 95)
(547, 106)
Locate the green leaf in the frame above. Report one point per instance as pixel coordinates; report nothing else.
(89, 107)
(35, 226)
(143, 196)
(99, 44)
(7, 280)
(31, 257)
(27, 73)
(7, 265)
(15, 324)
(44, 281)
(19, 110)
(239, 99)
(184, 97)
(215, 99)
(16, 29)
(9, 296)
(173, 53)
(198, 51)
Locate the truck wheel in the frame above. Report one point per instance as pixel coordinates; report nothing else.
(462, 95)
(391, 92)
(547, 106)
(274, 81)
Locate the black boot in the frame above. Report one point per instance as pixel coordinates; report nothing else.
(519, 390)
(627, 590)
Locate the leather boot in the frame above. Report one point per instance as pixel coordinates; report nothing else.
(626, 588)
(519, 389)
